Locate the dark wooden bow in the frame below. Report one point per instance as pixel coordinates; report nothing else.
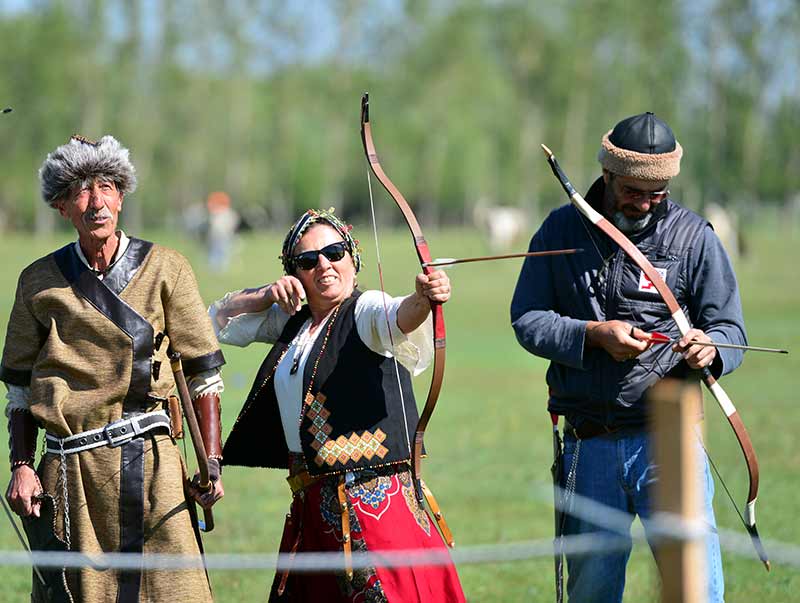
(749, 516)
(194, 431)
(424, 255)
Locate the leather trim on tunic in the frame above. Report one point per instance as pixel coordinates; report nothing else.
(193, 366)
(105, 298)
(121, 273)
(108, 303)
(131, 516)
(15, 377)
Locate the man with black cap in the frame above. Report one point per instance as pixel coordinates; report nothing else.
(84, 360)
(590, 315)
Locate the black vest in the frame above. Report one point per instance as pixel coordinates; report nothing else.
(352, 417)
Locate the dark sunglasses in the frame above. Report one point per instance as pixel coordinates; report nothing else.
(308, 259)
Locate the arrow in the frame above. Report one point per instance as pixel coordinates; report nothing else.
(657, 337)
(486, 258)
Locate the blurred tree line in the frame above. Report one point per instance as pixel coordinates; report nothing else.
(261, 99)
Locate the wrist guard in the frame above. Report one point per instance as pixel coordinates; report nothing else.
(22, 432)
(208, 417)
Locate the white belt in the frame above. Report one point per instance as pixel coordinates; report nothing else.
(113, 434)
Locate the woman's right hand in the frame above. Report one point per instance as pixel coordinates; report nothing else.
(288, 293)
(24, 491)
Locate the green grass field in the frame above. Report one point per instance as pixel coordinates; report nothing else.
(489, 440)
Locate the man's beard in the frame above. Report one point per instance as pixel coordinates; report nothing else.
(631, 225)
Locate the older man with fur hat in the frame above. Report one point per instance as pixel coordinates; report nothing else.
(590, 315)
(84, 360)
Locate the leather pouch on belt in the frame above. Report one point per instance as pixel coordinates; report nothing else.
(175, 417)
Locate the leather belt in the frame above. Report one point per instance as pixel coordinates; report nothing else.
(589, 429)
(114, 434)
(302, 480)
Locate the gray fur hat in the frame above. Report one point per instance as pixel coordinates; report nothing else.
(80, 160)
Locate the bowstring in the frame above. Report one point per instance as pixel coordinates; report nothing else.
(386, 312)
(719, 476)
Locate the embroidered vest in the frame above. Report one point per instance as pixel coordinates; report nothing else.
(352, 414)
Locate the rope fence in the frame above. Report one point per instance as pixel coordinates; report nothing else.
(616, 525)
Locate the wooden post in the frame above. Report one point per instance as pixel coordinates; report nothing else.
(675, 408)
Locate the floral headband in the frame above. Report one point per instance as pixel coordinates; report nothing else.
(308, 219)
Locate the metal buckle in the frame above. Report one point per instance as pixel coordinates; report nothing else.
(106, 432)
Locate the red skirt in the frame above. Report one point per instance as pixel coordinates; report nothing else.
(384, 516)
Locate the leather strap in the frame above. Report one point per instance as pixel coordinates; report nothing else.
(437, 515)
(207, 409)
(22, 430)
(346, 544)
(175, 416)
(293, 534)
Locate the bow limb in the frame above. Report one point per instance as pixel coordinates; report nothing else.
(722, 398)
(424, 255)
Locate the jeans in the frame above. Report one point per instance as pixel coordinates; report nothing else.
(616, 471)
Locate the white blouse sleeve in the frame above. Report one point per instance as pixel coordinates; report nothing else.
(244, 329)
(413, 350)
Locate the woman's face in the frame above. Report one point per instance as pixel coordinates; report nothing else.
(328, 283)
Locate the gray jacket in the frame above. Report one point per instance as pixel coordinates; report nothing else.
(556, 296)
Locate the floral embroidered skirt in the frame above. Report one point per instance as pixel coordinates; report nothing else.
(384, 516)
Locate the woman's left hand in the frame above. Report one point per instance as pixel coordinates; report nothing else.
(434, 286)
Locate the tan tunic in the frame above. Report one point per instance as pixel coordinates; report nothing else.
(86, 348)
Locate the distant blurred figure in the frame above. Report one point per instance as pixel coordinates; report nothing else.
(222, 224)
(503, 224)
(194, 220)
(726, 225)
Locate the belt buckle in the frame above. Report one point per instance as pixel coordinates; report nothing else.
(106, 433)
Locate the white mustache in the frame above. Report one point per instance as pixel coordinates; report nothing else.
(97, 215)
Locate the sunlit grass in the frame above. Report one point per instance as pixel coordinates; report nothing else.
(489, 440)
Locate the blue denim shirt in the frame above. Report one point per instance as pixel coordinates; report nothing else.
(556, 296)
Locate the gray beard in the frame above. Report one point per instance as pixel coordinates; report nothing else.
(630, 225)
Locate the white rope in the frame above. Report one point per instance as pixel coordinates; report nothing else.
(780, 553)
(315, 562)
(617, 524)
